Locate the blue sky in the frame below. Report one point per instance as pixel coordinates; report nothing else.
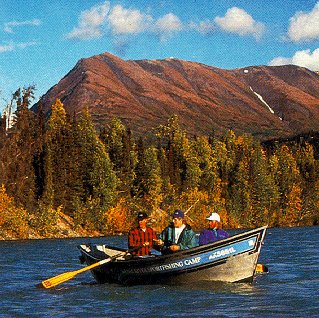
(41, 41)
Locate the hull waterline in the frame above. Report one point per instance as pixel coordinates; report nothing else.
(230, 260)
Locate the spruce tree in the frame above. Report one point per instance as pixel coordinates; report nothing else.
(57, 157)
(120, 146)
(288, 179)
(309, 169)
(95, 170)
(18, 149)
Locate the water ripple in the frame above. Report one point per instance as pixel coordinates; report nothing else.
(290, 289)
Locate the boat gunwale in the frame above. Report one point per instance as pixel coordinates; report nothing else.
(189, 252)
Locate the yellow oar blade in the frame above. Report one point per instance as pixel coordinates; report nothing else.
(56, 280)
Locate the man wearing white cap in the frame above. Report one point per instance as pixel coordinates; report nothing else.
(213, 233)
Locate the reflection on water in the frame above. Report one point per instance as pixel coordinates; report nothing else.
(292, 283)
(218, 287)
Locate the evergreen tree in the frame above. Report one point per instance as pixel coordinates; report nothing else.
(95, 171)
(251, 191)
(207, 163)
(288, 179)
(264, 191)
(57, 157)
(193, 171)
(226, 166)
(120, 146)
(18, 150)
(38, 159)
(140, 173)
(3, 129)
(152, 178)
(309, 169)
(175, 143)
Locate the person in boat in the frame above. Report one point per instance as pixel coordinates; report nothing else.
(178, 235)
(142, 236)
(214, 232)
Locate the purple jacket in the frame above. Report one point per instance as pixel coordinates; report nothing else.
(212, 235)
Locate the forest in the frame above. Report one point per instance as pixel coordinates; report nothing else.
(60, 166)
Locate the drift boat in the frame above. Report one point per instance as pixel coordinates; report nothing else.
(230, 260)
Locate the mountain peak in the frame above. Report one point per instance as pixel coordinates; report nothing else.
(266, 101)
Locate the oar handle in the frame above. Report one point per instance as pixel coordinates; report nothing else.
(106, 260)
(103, 261)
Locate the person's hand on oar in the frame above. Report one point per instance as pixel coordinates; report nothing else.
(56, 280)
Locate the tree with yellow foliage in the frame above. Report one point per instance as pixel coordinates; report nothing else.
(13, 219)
(288, 179)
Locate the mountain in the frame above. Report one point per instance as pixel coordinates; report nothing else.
(266, 101)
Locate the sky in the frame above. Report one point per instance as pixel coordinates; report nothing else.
(41, 41)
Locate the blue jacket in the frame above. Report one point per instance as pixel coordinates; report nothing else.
(186, 240)
(212, 235)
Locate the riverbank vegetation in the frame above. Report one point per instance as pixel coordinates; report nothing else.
(60, 177)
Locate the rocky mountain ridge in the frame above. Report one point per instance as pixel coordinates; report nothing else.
(266, 101)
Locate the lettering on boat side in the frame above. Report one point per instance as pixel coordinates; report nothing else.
(204, 258)
(226, 251)
(192, 261)
(180, 264)
(167, 267)
(235, 249)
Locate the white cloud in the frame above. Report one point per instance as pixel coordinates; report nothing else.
(26, 44)
(6, 48)
(301, 58)
(13, 46)
(238, 21)
(128, 21)
(204, 27)
(131, 21)
(280, 61)
(167, 25)
(91, 23)
(304, 26)
(122, 22)
(9, 26)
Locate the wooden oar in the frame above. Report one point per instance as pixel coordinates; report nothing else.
(261, 268)
(56, 280)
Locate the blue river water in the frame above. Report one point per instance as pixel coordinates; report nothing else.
(290, 289)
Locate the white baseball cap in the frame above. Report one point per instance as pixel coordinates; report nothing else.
(214, 217)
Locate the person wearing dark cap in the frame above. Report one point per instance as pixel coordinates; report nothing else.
(178, 235)
(214, 232)
(142, 236)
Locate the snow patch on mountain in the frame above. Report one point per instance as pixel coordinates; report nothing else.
(263, 101)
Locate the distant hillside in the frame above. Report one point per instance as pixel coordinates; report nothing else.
(266, 101)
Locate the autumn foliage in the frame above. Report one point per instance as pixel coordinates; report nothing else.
(12, 218)
(101, 179)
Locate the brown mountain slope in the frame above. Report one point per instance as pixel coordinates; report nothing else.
(265, 101)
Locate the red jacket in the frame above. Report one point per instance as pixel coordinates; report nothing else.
(137, 237)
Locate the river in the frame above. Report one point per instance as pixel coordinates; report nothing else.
(290, 289)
